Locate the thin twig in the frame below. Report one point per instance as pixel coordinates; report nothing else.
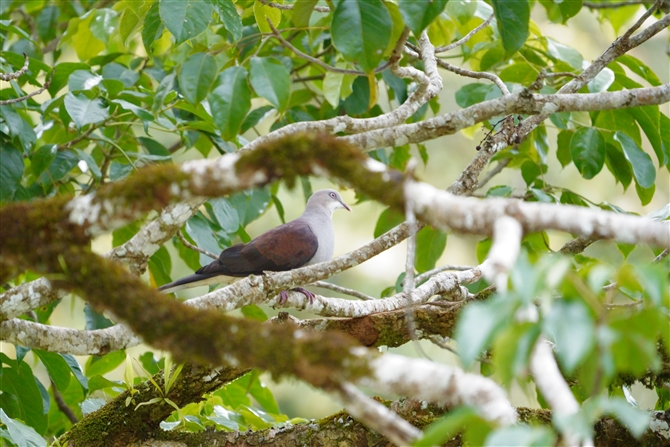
(290, 7)
(62, 406)
(465, 38)
(493, 172)
(30, 95)
(604, 5)
(86, 134)
(16, 74)
(475, 74)
(443, 268)
(312, 59)
(661, 256)
(187, 244)
(319, 62)
(344, 290)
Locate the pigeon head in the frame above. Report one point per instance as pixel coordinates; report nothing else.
(326, 199)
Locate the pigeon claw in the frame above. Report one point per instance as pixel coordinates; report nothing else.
(283, 295)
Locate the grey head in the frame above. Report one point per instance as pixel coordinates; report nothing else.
(325, 201)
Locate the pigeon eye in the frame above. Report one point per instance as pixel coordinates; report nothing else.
(332, 194)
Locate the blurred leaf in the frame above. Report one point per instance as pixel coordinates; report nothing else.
(430, 244)
(635, 421)
(253, 312)
(225, 214)
(19, 385)
(587, 148)
(446, 427)
(271, 80)
(478, 324)
(20, 130)
(618, 165)
(521, 436)
(230, 101)
(203, 234)
(571, 326)
(512, 18)
(256, 116)
(101, 365)
(649, 119)
(185, 19)
(471, 94)
(512, 348)
(565, 53)
(153, 27)
(360, 29)
(643, 168)
(160, 266)
(645, 194)
(418, 14)
(58, 369)
(20, 434)
(100, 383)
(11, 172)
(561, 11)
(388, 219)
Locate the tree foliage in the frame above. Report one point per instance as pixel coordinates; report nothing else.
(102, 102)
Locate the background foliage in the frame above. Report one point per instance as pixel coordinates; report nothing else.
(136, 83)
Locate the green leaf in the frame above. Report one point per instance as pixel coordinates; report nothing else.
(20, 385)
(230, 101)
(255, 116)
(643, 168)
(263, 13)
(271, 80)
(561, 11)
(587, 148)
(85, 111)
(100, 365)
(11, 172)
(263, 395)
(83, 80)
(185, 19)
(618, 165)
(153, 27)
(95, 320)
(302, 11)
(511, 350)
(446, 427)
(430, 244)
(230, 18)
(196, 76)
(160, 266)
(250, 204)
(76, 370)
(522, 73)
(521, 436)
(471, 94)
(19, 128)
(389, 218)
(225, 214)
(20, 434)
(478, 324)
(571, 326)
(42, 158)
(645, 194)
(513, 17)
(253, 312)
(361, 30)
(202, 233)
(639, 68)
(61, 166)
(418, 14)
(563, 147)
(565, 53)
(58, 369)
(649, 119)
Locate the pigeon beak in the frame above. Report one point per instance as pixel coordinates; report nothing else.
(345, 206)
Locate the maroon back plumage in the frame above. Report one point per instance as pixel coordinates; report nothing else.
(285, 247)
